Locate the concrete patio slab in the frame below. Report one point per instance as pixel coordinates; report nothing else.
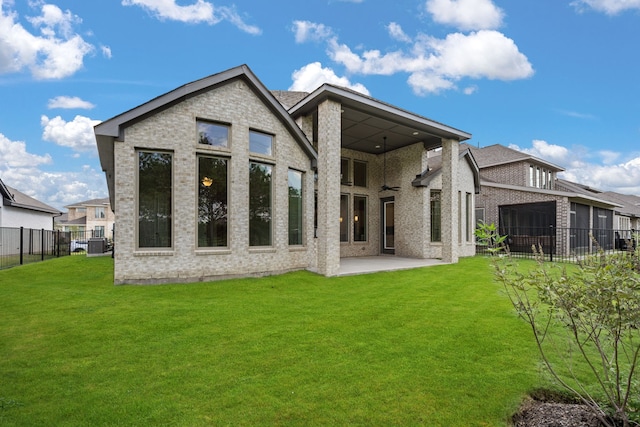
(373, 264)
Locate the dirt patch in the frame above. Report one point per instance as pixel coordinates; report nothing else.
(535, 413)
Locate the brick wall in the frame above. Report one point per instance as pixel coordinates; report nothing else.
(174, 129)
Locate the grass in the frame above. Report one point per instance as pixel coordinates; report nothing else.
(437, 346)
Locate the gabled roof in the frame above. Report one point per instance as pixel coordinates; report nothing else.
(112, 130)
(366, 120)
(91, 202)
(497, 155)
(630, 203)
(17, 199)
(435, 168)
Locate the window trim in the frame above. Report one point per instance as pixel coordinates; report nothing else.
(202, 146)
(229, 205)
(155, 249)
(271, 207)
(302, 210)
(366, 173)
(366, 218)
(272, 153)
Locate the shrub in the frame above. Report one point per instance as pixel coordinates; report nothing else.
(596, 308)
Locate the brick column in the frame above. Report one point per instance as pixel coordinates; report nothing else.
(329, 144)
(450, 149)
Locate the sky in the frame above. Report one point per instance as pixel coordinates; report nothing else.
(558, 79)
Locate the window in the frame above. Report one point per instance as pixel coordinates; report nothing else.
(154, 199)
(212, 202)
(436, 215)
(295, 207)
(98, 231)
(100, 214)
(532, 179)
(479, 216)
(213, 134)
(469, 202)
(259, 204)
(359, 173)
(459, 217)
(344, 217)
(359, 219)
(260, 143)
(345, 172)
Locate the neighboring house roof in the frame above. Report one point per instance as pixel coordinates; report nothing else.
(78, 221)
(497, 155)
(630, 204)
(434, 168)
(112, 130)
(17, 199)
(92, 202)
(365, 121)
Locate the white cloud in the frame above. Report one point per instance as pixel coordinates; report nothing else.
(312, 76)
(69, 102)
(610, 7)
(396, 32)
(437, 64)
(106, 51)
(470, 90)
(466, 14)
(13, 154)
(598, 170)
(556, 154)
(199, 12)
(76, 134)
(310, 31)
(54, 54)
(22, 170)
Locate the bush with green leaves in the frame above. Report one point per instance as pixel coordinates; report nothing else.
(584, 316)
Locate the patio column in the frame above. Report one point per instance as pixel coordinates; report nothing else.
(329, 145)
(449, 203)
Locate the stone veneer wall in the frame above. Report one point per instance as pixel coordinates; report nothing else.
(174, 130)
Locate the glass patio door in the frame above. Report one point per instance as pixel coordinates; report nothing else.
(388, 220)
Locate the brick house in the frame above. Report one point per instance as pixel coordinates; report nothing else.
(222, 178)
(523, 195)
(88, 218)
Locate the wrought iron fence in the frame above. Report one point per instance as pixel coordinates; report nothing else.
(81, 240)
(26, 245)
(562, 243)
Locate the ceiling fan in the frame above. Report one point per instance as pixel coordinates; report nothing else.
(384, 170)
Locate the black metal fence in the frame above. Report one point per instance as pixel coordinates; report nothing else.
(26, 245)
(564, 244)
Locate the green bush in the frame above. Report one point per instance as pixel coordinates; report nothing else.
(597, 306)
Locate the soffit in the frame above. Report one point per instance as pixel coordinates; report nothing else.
(366, 121)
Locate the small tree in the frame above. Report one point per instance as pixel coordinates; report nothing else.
(591, 313)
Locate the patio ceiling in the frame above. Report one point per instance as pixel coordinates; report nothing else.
(366, 121)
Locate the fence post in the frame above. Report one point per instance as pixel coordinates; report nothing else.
(553, 245)
(42, 244)
(21, 244)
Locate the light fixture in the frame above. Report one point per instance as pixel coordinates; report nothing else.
(207, 182)
(340, 219)
(355, 218)
(415, 133)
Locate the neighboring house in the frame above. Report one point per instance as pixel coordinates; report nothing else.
(19, 210)
(89, 218)
(223, 178)
(523, 196)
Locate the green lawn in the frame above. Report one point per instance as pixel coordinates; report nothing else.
(437, 346)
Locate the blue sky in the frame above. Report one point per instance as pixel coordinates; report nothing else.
(556, 78)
